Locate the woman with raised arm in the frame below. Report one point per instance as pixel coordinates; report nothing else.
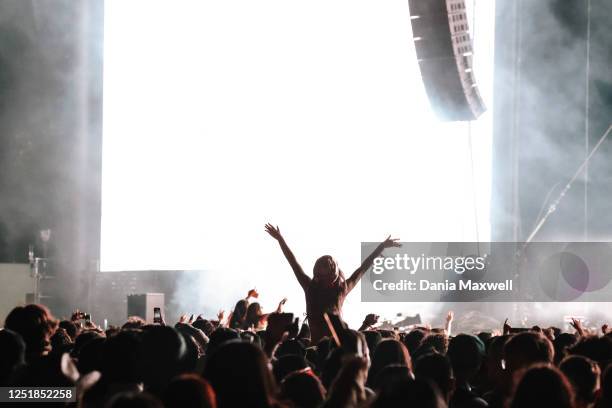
(327, 289)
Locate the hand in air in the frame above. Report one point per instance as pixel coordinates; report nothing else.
(279, 308)
(371, 319)
(273, 231)
(577, 324)
(391, 242)
(507, 327)
(450, 316)
(253, 293)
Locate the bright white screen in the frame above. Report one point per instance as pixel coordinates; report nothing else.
(222, 115)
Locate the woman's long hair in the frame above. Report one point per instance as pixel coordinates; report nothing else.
(239, 314)
(543, 385)
(327, 273)
(254, 316)
(388, 352)
(36, 325)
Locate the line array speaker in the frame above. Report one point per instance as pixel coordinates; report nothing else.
(444, 51)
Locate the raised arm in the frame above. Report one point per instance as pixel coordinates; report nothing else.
(367, 263)
(302, 278)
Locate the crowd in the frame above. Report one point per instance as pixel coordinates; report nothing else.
(274, 363)
(255, 359)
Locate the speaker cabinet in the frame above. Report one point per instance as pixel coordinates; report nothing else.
(143, 304)
(444, 51)
(16, 282)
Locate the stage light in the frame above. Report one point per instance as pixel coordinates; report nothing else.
(221, 116)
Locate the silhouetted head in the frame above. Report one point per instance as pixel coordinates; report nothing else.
(303, 389)
(253, 315)
(436, 368)
(388, 352)
(134, 322)
(543, 385)
(598, 349)
(389, 373)
(61, 341)
(562, 343)
(412, 340)
(90, 356)
(36, 325)
(205, 325)
(120, 357)
(240, 375)
(437, 342)
(71, 328)
(525, 349)
(373, 338)
(325, 271)
(12, 354)
(82, 339)
(583, 374)
(465, 353)
(189, 391)
(220, 336)
(239, 314)
(163, 350)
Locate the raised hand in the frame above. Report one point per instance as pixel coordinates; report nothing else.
(351, 282)
(371, 319)
(449, 322)
(274, 231)
(507, 327)
(391, 242)
(577, 324)
(279, 308)
(253, 293)
(450, 316)
(302, 278)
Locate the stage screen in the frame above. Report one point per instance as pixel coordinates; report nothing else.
(222, 116)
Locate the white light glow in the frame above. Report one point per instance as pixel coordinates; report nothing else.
(221, 116)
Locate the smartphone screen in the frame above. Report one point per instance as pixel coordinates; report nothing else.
(157, 318)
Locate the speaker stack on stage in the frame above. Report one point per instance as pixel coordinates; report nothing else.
(444, 51)
(142, 305)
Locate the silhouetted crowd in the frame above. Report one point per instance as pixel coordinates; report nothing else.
(252, 359)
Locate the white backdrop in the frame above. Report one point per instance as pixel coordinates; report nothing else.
(221, 116)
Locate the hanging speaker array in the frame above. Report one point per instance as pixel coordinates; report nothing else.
(444, 52)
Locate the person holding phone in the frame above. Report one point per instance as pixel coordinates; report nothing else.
(326, 291)
(157, 317)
